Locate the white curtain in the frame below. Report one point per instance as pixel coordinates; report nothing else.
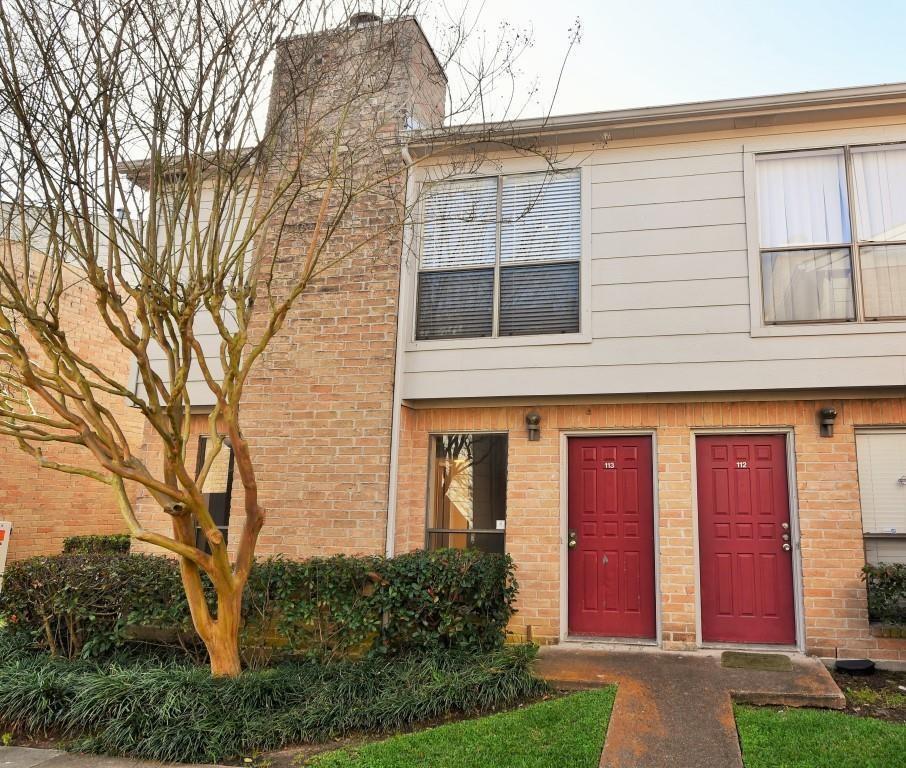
(879, 183)
(879, 186)
(802, 199)
(802, 286)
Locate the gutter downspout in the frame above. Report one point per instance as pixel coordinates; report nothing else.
(402, 327)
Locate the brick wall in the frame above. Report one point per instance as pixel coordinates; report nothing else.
(317, 409)
(836, 618)
(46, 506)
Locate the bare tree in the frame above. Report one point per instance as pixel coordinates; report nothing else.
(140, 156)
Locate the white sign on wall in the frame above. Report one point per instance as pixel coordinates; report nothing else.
(6, 530)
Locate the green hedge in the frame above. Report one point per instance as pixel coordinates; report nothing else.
(92, 605)
(114, 544)
(176, 712)
(886, 585)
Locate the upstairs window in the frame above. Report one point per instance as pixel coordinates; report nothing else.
(832, 233)
(500, 257)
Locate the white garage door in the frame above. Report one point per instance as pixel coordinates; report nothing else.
(882, 487)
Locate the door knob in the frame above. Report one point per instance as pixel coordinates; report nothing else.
(786, 547)
(572, 540)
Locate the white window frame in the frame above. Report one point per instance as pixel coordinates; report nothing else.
(503, 168)
(877, 136)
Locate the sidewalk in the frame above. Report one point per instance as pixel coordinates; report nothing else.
(675, 710)
(26, 757)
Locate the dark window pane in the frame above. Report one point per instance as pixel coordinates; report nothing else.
(454, 305)
(486, 542)
(539, 299)
(469, 483)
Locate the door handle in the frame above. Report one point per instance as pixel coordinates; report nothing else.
(572, 540)
(786, 547)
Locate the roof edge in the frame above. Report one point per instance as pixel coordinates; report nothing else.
(678, 114)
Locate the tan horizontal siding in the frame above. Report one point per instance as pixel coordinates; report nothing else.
(619, 378)
(654, 242)
(671, 266)
(713, 292)
(667, 189)
(649, 350)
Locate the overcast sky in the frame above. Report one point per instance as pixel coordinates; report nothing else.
(650, 52)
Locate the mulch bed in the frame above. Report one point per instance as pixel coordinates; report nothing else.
(881, 695)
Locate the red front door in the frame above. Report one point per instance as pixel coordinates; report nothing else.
(611, 520)
(743, 526)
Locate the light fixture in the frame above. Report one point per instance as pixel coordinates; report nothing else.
(826, 418)
(533, 425)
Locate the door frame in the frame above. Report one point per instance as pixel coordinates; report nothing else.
(795, 534)
(565, 435)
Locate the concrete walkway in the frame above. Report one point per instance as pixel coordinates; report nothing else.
(676, 710)
(26, 757)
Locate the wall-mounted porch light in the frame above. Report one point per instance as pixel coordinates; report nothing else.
(826, 418)
(533, 425)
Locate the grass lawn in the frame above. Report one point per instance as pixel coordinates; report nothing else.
(567, 732)
(814, 738)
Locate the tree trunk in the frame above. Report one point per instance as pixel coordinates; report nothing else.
(223, 648)
(220, 635)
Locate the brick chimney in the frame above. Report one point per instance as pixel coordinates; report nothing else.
(317, 411)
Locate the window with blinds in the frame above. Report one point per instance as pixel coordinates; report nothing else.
(500, 257)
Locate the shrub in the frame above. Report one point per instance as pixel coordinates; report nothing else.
(886, 585)
(93, 605)
(80, 605)
(452, 598)
(174, 712)
(114, 544)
